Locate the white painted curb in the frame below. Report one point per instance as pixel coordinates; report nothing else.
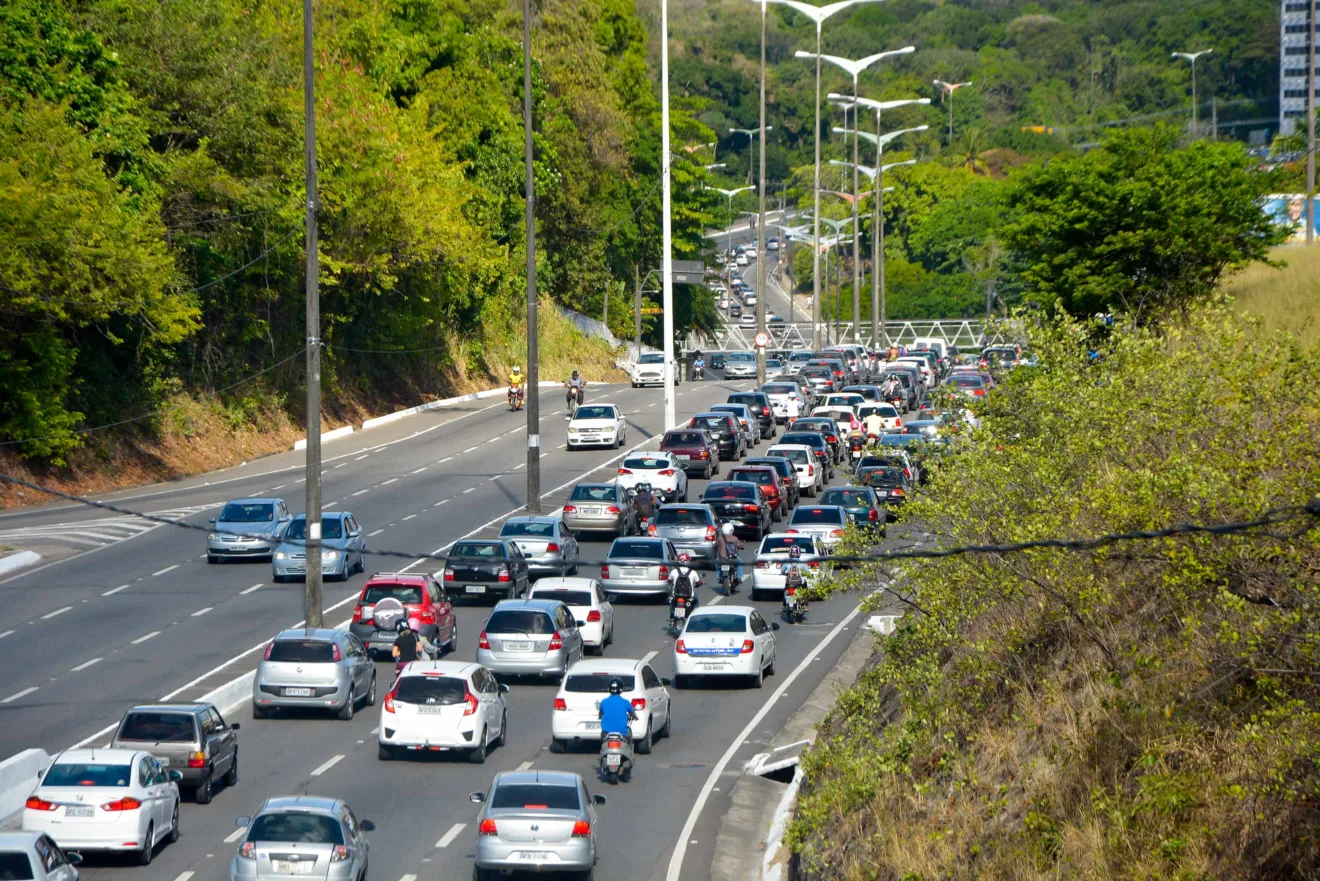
(17, 561)
(233, 695)
(18, 777)
(436, 405)
(771, 865)
(325, 436)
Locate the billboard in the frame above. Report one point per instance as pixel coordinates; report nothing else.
(1289, 210)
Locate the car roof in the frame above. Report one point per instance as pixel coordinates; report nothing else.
(562, 582)
(606, 665)
(308, 803)
(253, 500)
(447, 668)
(533, 776)
(802, 447)
(321, 633)
(95, 754)
(535, 518)
(722, 610)
(171, 708)
(531, 605)
(397, 578)
(602, 404)
(326, 515)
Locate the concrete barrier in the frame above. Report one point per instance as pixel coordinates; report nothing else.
(325, 436)
(18, 777)
(233, 695)
(20, 560)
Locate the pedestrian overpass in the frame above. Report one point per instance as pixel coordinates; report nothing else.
(962, 332)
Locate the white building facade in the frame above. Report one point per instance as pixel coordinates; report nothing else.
(1294, 27)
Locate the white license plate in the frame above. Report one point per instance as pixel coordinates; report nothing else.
(291, 867)
(712, 666)
(591, 726)
(517, 646)
(297, 692)
(613, 761)
(633, 573)
(533, 856)
(430, 711)
(475, 588)
(72, 811)
(592, 511)
(682, 458)
(164, 761)
(680, 612)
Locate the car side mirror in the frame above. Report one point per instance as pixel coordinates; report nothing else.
(41, 773)
(234, 726)
(581, 623)
(598, 799)
(504, 688)
(477, 798)
(243, 822)
(176, 776)
(774, 625)
(367, 826)
(75, 859)
(666, 681)
(211, 521)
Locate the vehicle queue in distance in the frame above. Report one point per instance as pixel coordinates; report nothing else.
(840, 409)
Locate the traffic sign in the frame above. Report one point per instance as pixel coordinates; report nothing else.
(762, 340)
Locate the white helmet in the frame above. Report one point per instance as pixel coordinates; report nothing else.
(727, 529)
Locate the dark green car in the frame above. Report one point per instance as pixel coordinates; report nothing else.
(861, 503)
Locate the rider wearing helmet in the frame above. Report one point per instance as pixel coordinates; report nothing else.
(683, 582)
(516, 378)
(644, 502)
(792, 570)
(727, 547)
(616, 711)
(576, 384)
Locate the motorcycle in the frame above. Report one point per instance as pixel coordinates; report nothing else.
(683, 606)
(516, 395)
(697, 368)
(795, 608)
(574, 399)
(729, 578)
(616, 756)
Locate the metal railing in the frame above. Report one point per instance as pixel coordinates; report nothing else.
(963, 332)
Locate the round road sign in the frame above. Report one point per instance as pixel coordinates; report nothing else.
(762, 339)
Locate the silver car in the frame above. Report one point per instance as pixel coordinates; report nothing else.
(751, 426)
(740, 364)
(247, 528)
(35, 855)
(314, 669)
(536, 821)
(691, 528)
(638, 566)
(310, 836)
(546, 542)
(342, 548)
(530, 638)
(826, 522)
(600, 507)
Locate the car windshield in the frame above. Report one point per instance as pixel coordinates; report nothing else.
(598, 683)
(765, 478)
(301, 651)
(715, 423)
(773, 363)
(668, 516)
(748, 398)
(849, 498)
(330, 528)
(520, 621)
(408, 594)
(597, 492)
(652, 358)
(774, 543)
(87, 774)
(595, 413)
(683, 439)
(296, 827)
(779, 388)
(730, 491)
(717, 623)
(15, 866)
(647, 463)
(536, 796)
(817, 515)
(484, 550)
(745, 357)
(799, 356)
(247, 512)
(157, 727)
(528, 527)
(428, 689)
(646, 550)
(567, 597)
(869, 393)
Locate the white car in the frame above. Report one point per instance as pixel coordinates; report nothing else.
(890, 420)
(750, 251)
(439, 706)
(773, 553)
(772, 244)
(36, 857)
(106, 800)
(742, 260)
(661, 470)
(843, 399)
(780, 393)
(586, 600)
(740, 364)
(747, 319)
(576, 714)
(725, 641)
(597, 425)
(826, 522)
(844, 417)
(650, 370)
(811, 477)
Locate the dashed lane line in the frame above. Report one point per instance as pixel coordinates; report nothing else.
(200, 612)
(361, 492)
(388, 482)
(374, 534)
(142, 639)
(409, 517)
(335, 760)
(646, 658)
(114, 590)
(49, 615)
(360, 458)
(249, 590)
(19, 694)
(448, 838)
(85, 664)
(6, 633)
(235, 835)
(166, 569)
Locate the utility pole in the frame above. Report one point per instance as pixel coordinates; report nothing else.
(1310, 122)
(1192, 56)
(637, 309)
(314, 616)
(533, 367)
(857, 225)
(989, 300)
(760, 223)
(815, 214)
(666, 223)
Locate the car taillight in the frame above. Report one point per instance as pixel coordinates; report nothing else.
(488, 827)
(625, 471)
(898, 422)
(668, 472)
(127, 803)
(581, 829)
(613, 509)
(710, 533)
(425, 615)
(873, 514)
(482, 641)
(196, 760)
(553, 547)
(34, 803)
(556, 642)
(813, 564)
(570, 509)
(896, 492)
(831, 438)
(561, 704)
(762, 564)
(449, 575)
(357, 615)
(978, 392)
(705, 454)
(836, 532)
(389, 695)
(748, 645)
(504, 574)
(471, 700)
(248, 851)
(593, 615)
(639, 703)
(650, 530)
(338, 655)
(680, 647)
(266, 656)
(339, 854)
(811, 470)
(751, 508)
(605, 571)
(907, 472)
(664, 572)
(790, 532)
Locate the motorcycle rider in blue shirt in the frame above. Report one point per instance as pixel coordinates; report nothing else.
(616, 711)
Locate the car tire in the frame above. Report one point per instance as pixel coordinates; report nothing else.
(774, 658)
(144, 856)
(643, 746)
(346, 711)
(558, 746)
(231, 776)
(384, 752)
(452, 646)
(667, 730)
(504, 729)
(174, 825)
(278, 579)
(758, 678)
(259, 712)
(202, 794)
(776, 516)
(371, 695)
(478, 756)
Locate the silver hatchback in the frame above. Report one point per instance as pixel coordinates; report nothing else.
(692, 528)
(314, 669)
(530, 638)
(310, 836)
(536, 821)
(247, 528)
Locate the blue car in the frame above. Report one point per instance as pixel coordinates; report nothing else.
(342, 548)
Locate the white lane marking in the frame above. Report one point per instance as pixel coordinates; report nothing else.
(441, 502)
(361, 492)
(85, 664)
(18, 694)
(374, 730)
(408, 878)
(680, 850)
(360, 458)
(114, 590)
(470, 449)
(420, 470)
(166, 569)
(281, 486)
(448, 838)
(142, 639)
(524, 766)
(446, 459)
(388, 482)
(519, 465)
(251, 589)
(235, 835)
(340, 465)
(468, 490)
(327, 766)
(56, 612)
(374, 534)
(200, 612)
(646, 658)
(6, 633)
(184, 876)
(409, 517)
(329, 506)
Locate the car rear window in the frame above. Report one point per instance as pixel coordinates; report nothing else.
(489, 550)
(158, 727)
(526, 621)
(715, 423)
(302, 651)
(236, 512)
(537, 796)
(773, 543)
(567, 597)
(408, 594)
(683, 439)
(884, 476)
(747, 398)
(668, 516)
(779, 388)
(717, 623)
(849, 498)
(296, 827)
(799, 456)
(730, 491)
(545, 530)
(15, 866)
(647, 550)
(598, 683)
(442, 690)
(87, 774)
(765, 478)
(645, 462)
(884, 411)
(817, 515)
(598, 493)
(964, 381)
(804, 438)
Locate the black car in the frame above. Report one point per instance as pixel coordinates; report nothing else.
(814, 439)
(889, 482)
(717, 361)
(787, 475)
(740, 503)
(726, 431)
(820, 378)
(480, 568)
(862, 503)
(759, 404)
(826, 426)
(923, 450)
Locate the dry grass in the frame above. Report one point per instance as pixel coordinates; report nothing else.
(1287, 298)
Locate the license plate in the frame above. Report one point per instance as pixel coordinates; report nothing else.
(591, 726)
(533, 856)
(292, 867)
(711, 666)
(633, 573)
(592, 511)
(475, 588)
(682, 458)
(613, 761)
(517, 646)
(297, 692)
(72, 811)
(164, 761)
(680, 612)
(430, 711)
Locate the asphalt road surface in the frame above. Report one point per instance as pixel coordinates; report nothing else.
(143, 617)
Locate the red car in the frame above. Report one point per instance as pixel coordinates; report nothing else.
(421, 597)
(768, 479)
(694, 450)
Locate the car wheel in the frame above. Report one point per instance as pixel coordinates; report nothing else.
(202, 794)
(231, 776)
(278, 579)
(144, 856)
(643, 746)
(667, 730)
(371, 695)
(503, 737)
(770, 671)
(478, 755)
(758, 678)
(558, 746)
(259, 712)
(452, 645)
(346, 712)
(776, 516)
(384, 752)
(174, 825)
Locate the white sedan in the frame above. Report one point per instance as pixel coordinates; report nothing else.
(725, 641)
(438, 706)
(587, 603)
(811, 477)
(597, 425)
(774, 553)
(576, 715)
(665, 474)
(108, 800)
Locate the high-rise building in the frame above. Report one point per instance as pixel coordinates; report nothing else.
(1294, 25)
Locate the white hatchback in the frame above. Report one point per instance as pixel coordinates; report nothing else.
(585, 598)
(811, 477)
(660, 469)
(597, 425)
(725, 641)
(442, 706)
(106, 799)
(774, 553)
(576, 715)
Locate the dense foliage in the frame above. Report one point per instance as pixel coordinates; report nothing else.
(1148, 710)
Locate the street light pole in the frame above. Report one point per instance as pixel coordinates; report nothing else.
(533, 354)
(314, 615)
(729, 194)
(1192, 56)
(949, 89)
(760, 223)
(667, 237)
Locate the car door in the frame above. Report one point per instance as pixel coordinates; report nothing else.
(354, 835)
(362, 664)
(567, 542)
(152, 779)
(213, 739)
(765, 638)
(606, 610)
(226, 739)
(491, 698)
(53, 861)
(656, 696)
(444, 611)
(568, 629)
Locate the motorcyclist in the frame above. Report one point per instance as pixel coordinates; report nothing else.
(517, 383)
(644, 502)
(576, 386)
(698, 364)
(683, 582)
(616, 711)
(873, 423)
(410, 644)
(728, 546)
(792, 570)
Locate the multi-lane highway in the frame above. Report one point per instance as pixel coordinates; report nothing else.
(142, 616)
